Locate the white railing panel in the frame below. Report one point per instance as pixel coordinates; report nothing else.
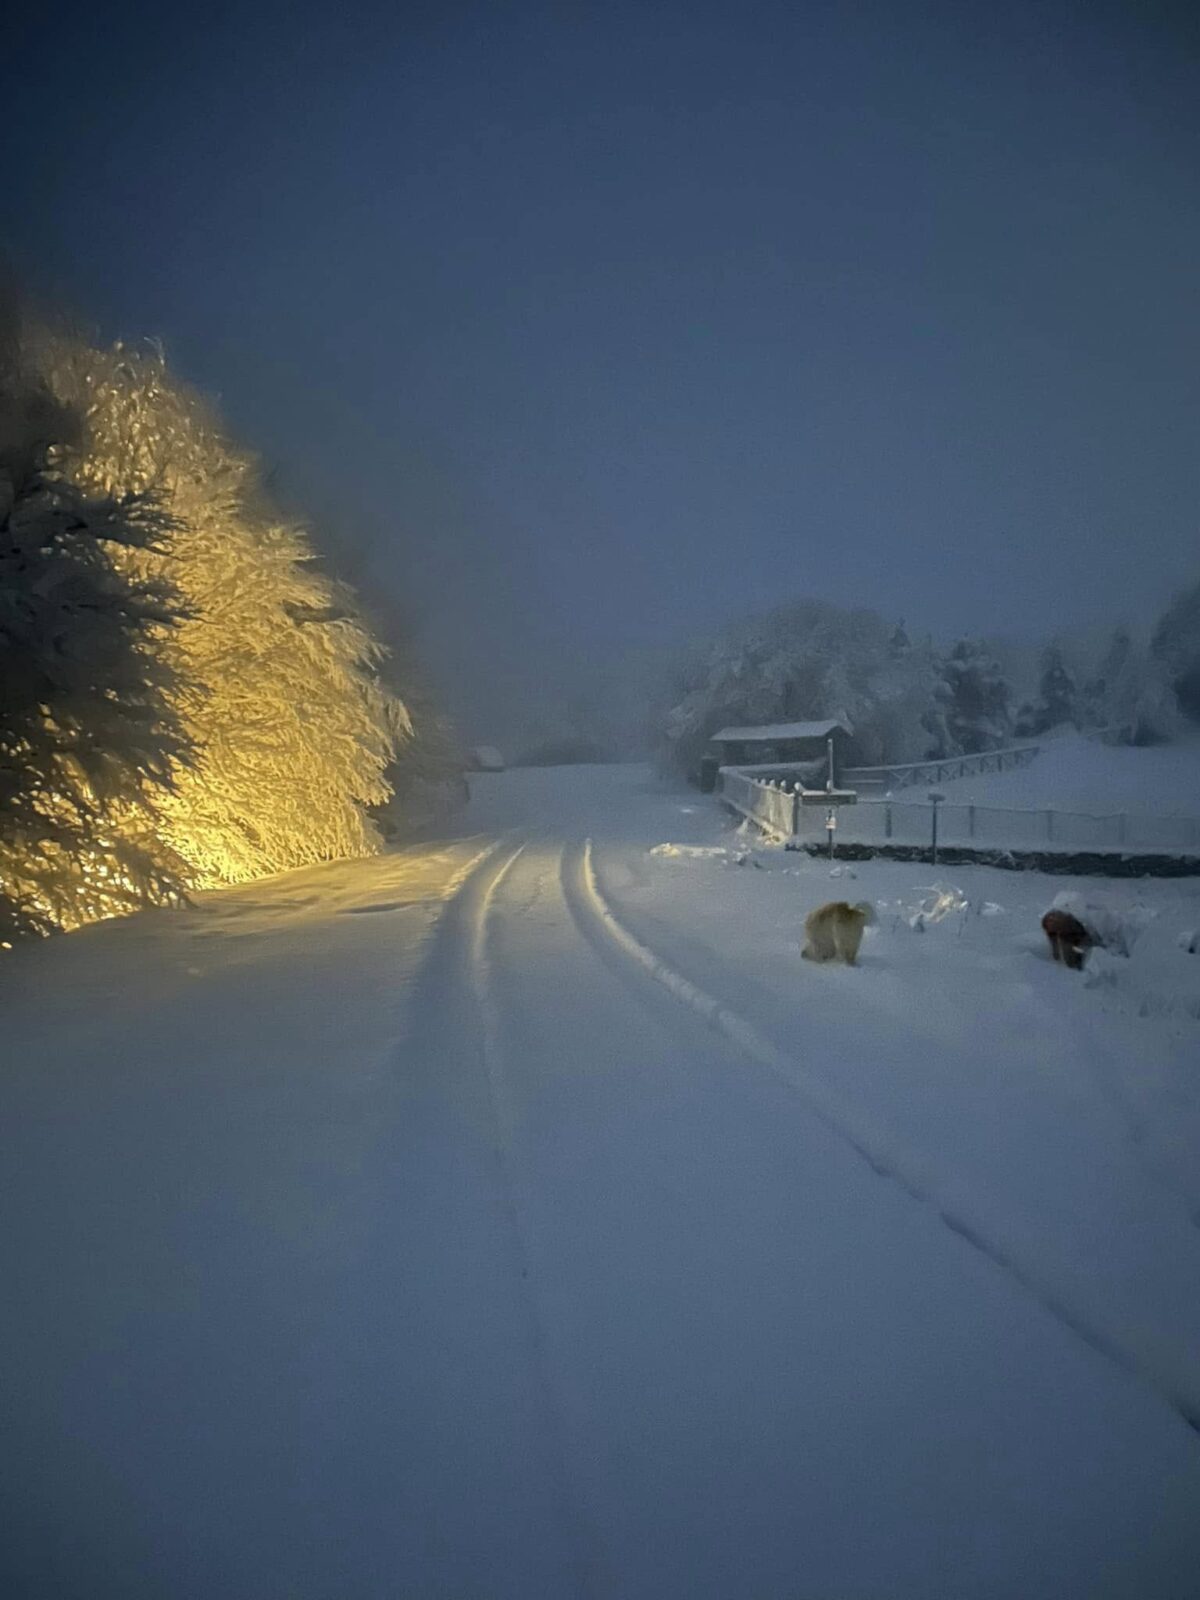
(877, 821)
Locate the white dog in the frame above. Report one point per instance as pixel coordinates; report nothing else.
(835, 931)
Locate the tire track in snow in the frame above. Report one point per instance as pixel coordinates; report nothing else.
(583, 1542)
(1158, 1362)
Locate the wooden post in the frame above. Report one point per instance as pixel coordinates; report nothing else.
(970, 822)
(887, 819)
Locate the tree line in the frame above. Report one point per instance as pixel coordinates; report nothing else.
(910, 700)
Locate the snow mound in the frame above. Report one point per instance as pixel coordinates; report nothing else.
(1112, 924)
(1077, 773)
(696, 852)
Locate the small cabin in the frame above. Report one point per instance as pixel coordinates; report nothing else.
(804, 744)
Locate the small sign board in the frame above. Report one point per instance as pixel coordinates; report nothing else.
(828, 797)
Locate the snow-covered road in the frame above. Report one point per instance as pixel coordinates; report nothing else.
(389, 1230)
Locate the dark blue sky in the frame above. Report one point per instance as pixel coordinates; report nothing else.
(608, 322)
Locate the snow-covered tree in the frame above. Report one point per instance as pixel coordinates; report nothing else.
(90, 741)
(975, 704)
(803, 661)
(1130, 696)
(277, 675)
(1058, 698)
(1095, 699)
(1176, 648)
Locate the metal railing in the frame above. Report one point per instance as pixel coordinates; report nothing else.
(881, 821)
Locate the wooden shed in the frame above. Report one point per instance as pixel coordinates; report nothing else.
(775, 742)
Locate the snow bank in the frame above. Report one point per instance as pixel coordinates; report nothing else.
(1075, 773)
(1116, 925)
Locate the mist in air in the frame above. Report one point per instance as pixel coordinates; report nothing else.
(581, 333)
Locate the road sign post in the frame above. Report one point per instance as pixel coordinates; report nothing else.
(936, 797)
(830, 798)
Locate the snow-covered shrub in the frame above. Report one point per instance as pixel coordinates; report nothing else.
(276, 677)
(91, 740)
(1114, 925)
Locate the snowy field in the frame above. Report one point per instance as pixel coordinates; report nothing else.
(1077, 773)
(508, 1217)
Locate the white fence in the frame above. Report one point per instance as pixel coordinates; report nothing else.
(910, 822)
(877, 821)
(765, 802)
(904, 774)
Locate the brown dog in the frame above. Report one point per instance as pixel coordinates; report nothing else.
(1069, 939)
(836, 930)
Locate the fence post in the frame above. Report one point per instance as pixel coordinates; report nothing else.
(887, 819)
(796, 811)
(970, 822)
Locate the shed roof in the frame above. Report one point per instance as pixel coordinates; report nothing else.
(774, 732)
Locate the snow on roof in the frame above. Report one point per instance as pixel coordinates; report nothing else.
(772, 732)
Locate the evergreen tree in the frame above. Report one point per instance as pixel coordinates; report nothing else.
(1058, 699)
(277, 677)
(1130, 696)
(1176, 648)
(90, 741)
(1098, 692)
(976, 711)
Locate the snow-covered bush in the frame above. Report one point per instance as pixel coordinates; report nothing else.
(91, 742)
(275, 675)
(1114, 925)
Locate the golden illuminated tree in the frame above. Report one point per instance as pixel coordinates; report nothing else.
(277, 675)
(90, 740)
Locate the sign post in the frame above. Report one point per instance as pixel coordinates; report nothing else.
(830, 798)
(936, 796)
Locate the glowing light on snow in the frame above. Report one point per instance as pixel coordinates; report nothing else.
(292, 726)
